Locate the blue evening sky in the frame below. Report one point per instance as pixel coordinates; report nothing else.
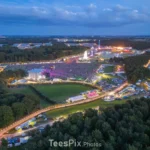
(74, 17)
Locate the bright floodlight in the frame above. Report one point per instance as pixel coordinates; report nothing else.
(85, 57)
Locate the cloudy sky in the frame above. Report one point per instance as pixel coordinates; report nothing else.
(74, 17)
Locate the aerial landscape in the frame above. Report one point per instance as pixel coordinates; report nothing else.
(74, 75)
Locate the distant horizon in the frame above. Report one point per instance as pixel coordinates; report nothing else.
(7, 35)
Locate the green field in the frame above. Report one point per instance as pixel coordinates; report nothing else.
(82, 107)
(109, 69)
(61, 92)
(56, 92)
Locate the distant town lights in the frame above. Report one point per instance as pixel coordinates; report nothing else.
(120, 48)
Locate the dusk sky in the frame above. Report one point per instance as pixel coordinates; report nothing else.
(74, 17)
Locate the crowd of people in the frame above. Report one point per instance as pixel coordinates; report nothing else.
(61, 70)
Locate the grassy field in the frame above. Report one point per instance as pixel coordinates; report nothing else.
(109, 69)
(56, 92)
(73, 109)
(61, 92)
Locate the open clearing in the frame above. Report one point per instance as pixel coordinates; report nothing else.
(61, 92)
(109, 69)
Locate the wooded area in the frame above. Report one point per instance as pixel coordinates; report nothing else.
(13, 54)
(134, 67)
(123, 127)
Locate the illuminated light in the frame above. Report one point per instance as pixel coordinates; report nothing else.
(120, 48)
(111, 93)
(99, 77)
(20, 130)
(85, 57)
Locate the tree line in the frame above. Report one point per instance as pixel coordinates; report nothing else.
(41, 95)
(13, 54)
(8, 76)
(15, 106)
(134, 66)
(141, 44)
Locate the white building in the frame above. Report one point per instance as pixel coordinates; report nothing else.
(76, 98)
(35, 74)
(109, 98)
(57, 80)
